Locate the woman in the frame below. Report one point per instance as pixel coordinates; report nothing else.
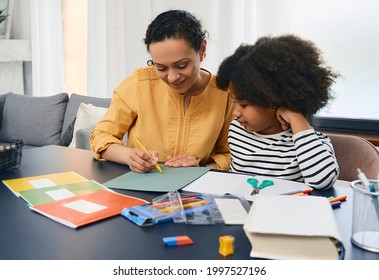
(173, 106)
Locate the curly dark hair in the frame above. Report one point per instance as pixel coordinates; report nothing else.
(279, 71)
(176, 24)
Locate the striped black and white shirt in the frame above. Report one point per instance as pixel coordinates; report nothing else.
(307, 156)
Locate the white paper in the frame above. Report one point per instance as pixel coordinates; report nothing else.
(292, 215)
(232, 211)
(220, 183)
(42, 183)
(84, 206)
(60, 194)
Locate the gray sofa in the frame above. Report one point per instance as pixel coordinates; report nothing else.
(40, 121)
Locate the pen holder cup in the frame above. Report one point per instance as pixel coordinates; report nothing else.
(365, 229)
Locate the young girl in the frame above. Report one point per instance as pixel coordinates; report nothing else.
(278, 84)
(173, 106)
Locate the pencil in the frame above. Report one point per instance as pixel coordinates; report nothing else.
(139, 144)
(298, 192)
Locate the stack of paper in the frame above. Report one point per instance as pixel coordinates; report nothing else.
(70, 199)
(84, 209)
(293, 227)
(42, 181)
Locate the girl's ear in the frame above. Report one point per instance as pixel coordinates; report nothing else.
(203, 49)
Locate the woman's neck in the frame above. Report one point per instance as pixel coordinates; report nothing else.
(200, 85)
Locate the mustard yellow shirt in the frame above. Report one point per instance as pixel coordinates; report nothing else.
(143, 105)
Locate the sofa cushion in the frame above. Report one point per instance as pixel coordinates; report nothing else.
(35, 120)
(82, 138)
(2, 103)
(87, 116)
(74, 103)
(66, 137)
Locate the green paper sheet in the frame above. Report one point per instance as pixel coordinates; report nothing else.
(43, 195)
(171, 179)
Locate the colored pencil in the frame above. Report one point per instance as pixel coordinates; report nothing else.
(307, 191)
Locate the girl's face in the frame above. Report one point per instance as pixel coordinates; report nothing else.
(254, 118)
(177, 64)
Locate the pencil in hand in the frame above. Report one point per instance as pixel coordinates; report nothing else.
(142, 147)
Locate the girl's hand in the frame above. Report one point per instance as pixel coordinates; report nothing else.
(181, 161)
(289, 118)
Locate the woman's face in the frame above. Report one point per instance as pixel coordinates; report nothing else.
(177, 64)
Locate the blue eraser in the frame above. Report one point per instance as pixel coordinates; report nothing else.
(170, 241)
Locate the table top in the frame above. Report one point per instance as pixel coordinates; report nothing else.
(27, 235)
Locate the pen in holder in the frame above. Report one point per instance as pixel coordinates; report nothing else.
(365, 230)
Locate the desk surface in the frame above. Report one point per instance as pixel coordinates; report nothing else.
(25, 234)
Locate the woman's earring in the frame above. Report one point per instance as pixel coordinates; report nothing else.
(203, 56)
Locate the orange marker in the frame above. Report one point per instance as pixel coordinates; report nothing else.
(340, 198)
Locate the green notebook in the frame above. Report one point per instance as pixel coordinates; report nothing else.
(171, 179)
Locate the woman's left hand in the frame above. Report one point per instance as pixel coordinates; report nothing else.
(181, 161)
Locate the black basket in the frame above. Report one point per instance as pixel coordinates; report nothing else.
(10, 156)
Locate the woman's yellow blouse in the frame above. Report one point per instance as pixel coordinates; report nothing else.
(145, 106)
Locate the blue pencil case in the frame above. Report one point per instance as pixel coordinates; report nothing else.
(168, 207)
(144, 215)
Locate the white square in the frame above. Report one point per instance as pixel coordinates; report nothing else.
(42, 183)
(84, 206)
(60, 194)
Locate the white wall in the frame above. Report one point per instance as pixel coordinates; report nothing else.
(117, 28)
(21, 30)
(347, 32)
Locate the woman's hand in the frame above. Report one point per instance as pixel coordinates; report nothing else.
(181, 161)
(140, 161)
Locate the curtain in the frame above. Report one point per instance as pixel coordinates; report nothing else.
(47, 47)
(116, 30)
